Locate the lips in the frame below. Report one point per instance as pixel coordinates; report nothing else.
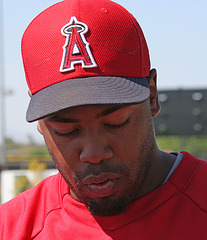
(102, 185)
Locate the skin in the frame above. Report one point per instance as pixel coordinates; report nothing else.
(116, 144)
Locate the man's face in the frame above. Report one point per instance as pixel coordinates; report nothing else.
(103, 152)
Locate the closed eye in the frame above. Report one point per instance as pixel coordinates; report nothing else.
(65, 134)
(114, 126)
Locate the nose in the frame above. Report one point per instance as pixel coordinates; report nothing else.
(95, 149)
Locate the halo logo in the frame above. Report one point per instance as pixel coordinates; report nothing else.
(76, 49)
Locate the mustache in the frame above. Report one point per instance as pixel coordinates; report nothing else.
(100, 168)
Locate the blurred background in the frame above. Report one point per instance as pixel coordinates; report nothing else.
(176, 33)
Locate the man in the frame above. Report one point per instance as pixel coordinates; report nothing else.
(93, 93)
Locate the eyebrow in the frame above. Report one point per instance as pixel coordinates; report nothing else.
(56, 118)
(108, 111)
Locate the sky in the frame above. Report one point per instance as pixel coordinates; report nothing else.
(176, 33)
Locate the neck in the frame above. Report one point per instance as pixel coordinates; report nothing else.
(158, 171)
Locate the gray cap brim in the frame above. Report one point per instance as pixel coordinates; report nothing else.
(87, 91)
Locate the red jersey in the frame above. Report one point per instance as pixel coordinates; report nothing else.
(174, 211)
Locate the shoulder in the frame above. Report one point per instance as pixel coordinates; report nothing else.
(190, 178)
(45, 185)
(24, 211)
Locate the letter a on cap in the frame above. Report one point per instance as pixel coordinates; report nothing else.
(76, 49)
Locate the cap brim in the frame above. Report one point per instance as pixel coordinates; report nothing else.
(87, 91)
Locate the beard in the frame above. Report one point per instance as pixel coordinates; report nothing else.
(106, 207)
(111, 206)
(134, 178)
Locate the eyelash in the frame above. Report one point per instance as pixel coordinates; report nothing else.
(64, 134)
(118, 126)
(75, 130)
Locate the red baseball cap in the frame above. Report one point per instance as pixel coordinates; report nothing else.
(82, 52)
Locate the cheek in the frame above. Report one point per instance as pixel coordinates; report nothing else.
(63, 153)
(127, 144)
(64, 159)
(133, 146)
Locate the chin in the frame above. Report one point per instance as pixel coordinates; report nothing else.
(106, 206)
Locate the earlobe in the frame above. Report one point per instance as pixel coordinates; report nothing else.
(154, 103)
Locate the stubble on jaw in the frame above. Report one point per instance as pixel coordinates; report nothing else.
(135, 187)
(109, 206)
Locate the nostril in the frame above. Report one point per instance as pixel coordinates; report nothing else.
(95, 154)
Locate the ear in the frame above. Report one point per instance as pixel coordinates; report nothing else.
(154, 103)
(39, 127)
(29, 93)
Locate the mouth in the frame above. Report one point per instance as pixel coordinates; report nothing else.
(102, 185)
